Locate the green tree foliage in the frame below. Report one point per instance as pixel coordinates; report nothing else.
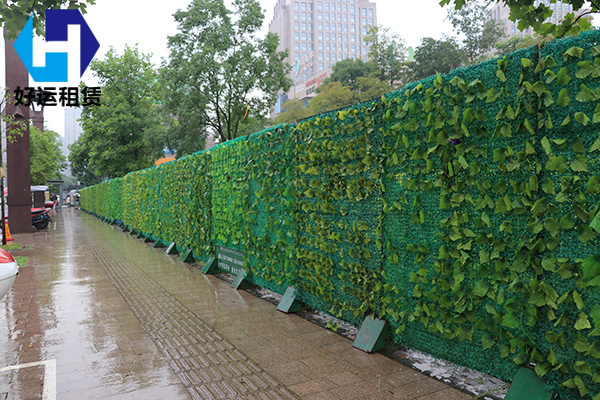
(437, 56)
(331, 97)
(46, 158)
(293, 110)
(388, 55)
(114, 140)
(530, 16)
(218, 66)
(348, 71)
(15, 14)
(479, 34)
(79, 160)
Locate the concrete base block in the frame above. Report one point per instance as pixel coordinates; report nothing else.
(210, 267)
(374, 334)
(240, 281)
(288, 303)
(528, 385)
(172, 249)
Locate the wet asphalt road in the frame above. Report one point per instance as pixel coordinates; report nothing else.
(97, 313)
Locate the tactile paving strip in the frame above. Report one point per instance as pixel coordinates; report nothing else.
(208, 365)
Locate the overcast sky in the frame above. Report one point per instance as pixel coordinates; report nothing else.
(147, 24)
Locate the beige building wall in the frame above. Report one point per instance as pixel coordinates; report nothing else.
(317, 34)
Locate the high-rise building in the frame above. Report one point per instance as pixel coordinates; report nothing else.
(72, 131)
(500, 13)
(318, 34)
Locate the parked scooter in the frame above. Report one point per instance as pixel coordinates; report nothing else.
(40, 217)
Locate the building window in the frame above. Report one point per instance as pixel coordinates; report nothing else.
(326, 16)
(310, 27)
(296, 35)
(346, 48)
(320, 46)
(512, 29)
(327, 36)
(334, 57)
(296, 5)
(328, 57)
(339, 37)
(339, 7)
(320, 56)
(296, 16)
(320, 15)
(303, 35)
(319, 5)
(353, 48)
(304, 47)
(310, 8)
(304, 26)
(346, 39)
(371, 21)
(303, 16)
(310, 16)
(352, 8)
(345, 7)
(328, 46)
(334, 46)
(320, 36)
(320, 25)
(364, 21)
(353, 38)
(327, 26)
(303, 6)
(352, 18)
(370, 12)
(345, 27)
(311, 48)
(296, 25)
(297, 46)
(320, 66)
(297, 56)
(364, 30)
(352, 28)
(333, 27)
(326, 6)
(364, 12)
(311, 37)
(339, 17)
(339, 27)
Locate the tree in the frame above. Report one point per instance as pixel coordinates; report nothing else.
(16, 14)
(46, 157)
(530, 16)
(387, 55)
(217, 67)
(114, 134)
(348, 71)
(480, 33)
(79, 160)
(436, 56)
(331, 96)
(368, 88)
(293, 110)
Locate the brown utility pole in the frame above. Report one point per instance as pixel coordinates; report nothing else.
(18, 163)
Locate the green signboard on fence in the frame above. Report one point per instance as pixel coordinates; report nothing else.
(230, 260)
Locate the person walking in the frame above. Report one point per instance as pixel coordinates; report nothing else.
(68, 201)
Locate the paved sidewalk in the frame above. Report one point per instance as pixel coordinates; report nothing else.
(97, 313)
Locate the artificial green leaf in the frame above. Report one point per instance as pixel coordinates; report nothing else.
(487, 341)
(574, 51)
(579, 164)
(564, 97)
(582, 118)
(582, 322)
(591, 267)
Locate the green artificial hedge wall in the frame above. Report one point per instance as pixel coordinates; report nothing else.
(459, 209)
